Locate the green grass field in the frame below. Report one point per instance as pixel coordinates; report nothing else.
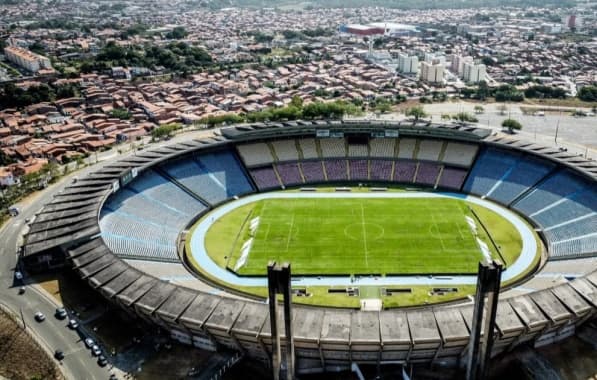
(359, 236)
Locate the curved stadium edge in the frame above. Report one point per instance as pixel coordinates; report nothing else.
(324, 339)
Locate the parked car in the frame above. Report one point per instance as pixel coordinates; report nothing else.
(95, 350)
(89, 343)
(18, 275)
(60, 313)
(39, 316)
(58, 354)
(73, 324)
(102, 361)
(22, 290)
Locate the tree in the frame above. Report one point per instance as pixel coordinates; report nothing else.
(465, 117)
(416, 112)
(177, 33)
(512, 125)
(120, 113)
(479, 109)
(588, 93)
(297, 101)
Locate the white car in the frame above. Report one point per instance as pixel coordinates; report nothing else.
(95, 350)
(39, 316)
(89, 343)
(73, 324)
(18, 275)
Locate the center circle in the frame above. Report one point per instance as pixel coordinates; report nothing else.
(364, 231)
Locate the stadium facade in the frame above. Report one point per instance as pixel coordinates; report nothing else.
(110, 215)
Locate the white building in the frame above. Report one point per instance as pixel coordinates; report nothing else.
(457, 64)
(432, 73)
(474, 73)
(408, 64)
(27, 59)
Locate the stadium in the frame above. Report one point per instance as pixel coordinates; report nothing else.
(383, 224)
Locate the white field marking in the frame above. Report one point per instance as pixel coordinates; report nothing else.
(364, 236)
(266, 232)
(439, 233)
(290, 232)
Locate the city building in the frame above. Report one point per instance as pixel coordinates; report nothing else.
(457, 64)
(408, 64)
(27, 59)
(432, 73)
(474, 73)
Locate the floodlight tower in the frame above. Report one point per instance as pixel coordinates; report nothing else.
(278, 282)
(486, 301)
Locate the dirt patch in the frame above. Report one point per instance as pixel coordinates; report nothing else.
(20, 356)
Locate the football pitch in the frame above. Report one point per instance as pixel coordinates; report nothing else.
(358, 236)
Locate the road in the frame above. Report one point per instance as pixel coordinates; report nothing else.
(52, 334)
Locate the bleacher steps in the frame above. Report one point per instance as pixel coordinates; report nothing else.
(442, 152)
(396, 149)
(300, 168)
(392, 172)
(278, 175)
(272, 151)
(416, 173)
(318, 149)
(325, 174)
(165, 174)
(439, 176)
(347, 169)
(416, 150)
(300, 152)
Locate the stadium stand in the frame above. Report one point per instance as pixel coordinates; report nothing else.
(427, 173)
(255, 154)
(158, 189)
(143, 220)
(381, 170)
(227, 170)
(358, 169)
(358, 150)
(332, 148)
(336, 170)
(265, 178)
(491, 166)
(308, 148)
(576, 227)
(226, 181)
(404, 171)
(459, 154)
(289, 173)
(406, 148)
(527, 172)
(313, 171)
(429, 150)
(382, 148)
(552, 190)
(452, 178)
(285, 150)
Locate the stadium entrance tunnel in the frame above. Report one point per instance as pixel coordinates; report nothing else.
(340, 242)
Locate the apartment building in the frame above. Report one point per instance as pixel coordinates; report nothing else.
(27, 59)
